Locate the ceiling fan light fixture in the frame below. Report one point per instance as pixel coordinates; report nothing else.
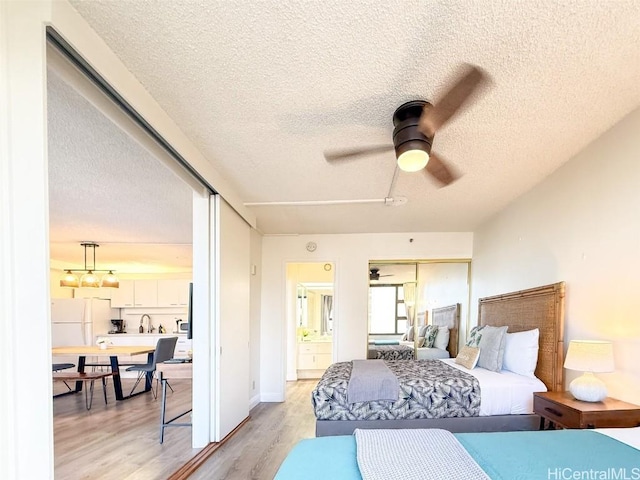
(413, 160)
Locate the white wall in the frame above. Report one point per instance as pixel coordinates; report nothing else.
(444, 284)
(254, 321)
(350, 255)
(580, 225)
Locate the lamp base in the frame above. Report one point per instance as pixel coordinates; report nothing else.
(588, 388)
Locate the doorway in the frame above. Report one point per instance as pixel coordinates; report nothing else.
(111, 163)
(310, 319)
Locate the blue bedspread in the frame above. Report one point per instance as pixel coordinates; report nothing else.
(502, 455)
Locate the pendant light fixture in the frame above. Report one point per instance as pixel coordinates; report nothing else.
(89, 278)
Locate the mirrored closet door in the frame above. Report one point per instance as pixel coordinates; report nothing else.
(406, 297)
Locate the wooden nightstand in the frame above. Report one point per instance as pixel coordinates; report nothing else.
(561, 409)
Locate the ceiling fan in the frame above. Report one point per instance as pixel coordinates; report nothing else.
(374, 274)
(415, 124)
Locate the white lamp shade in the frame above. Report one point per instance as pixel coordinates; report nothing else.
(590, 356)
(413, 160)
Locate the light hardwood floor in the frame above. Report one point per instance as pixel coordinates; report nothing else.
(121, 440)
(257, 450)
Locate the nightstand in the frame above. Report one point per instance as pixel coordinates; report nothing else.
(561, 409)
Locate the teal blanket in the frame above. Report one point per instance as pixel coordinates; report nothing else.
(555, 455)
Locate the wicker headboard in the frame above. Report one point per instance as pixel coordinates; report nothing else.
(449, 317)
(542, 308)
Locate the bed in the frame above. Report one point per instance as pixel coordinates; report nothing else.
(390, 350)
(424, 387)
(600, 453)
(448, 321)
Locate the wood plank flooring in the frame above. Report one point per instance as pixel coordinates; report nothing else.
(258, 449)
(121, 440)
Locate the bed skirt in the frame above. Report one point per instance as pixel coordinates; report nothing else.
(494, 423)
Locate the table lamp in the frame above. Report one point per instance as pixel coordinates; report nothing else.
(589, 356)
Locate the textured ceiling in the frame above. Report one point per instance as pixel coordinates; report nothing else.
(106, 188)
(264, 88)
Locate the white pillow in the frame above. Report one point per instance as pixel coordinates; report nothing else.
(521, 352)
(442, 339)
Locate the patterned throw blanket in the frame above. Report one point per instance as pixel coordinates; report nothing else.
(428, 389)
(390, 352)
(429, 454)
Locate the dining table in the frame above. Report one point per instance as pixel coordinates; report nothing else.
(112, 351)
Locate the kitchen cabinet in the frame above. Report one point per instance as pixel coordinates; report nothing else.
(145, 293)
(313, 358)
(123, 297)
(135, 293)
(173, 293)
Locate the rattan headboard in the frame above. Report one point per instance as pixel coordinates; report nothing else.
(542, 308)
(449, 317)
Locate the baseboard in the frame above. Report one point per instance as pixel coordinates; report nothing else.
(271, 397)
(254, 401)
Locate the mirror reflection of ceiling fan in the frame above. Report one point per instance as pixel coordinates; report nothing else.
(374, 274)
(415, 124)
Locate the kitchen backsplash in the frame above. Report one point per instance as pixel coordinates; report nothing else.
(159, 316)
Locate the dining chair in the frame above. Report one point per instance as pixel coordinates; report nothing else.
(164, 351)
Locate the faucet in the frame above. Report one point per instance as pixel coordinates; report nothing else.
(150, 327)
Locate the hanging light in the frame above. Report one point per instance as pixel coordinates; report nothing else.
(110, 280)
(69, 279)
(89, 278)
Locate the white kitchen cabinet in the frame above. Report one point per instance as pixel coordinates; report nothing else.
(122, 297)
(173, 293)
(183, 347)
(313, 358)
(135, 293)
(145, 293)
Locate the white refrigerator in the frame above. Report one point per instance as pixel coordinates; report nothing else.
(77, 321)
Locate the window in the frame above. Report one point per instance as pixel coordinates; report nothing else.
(387, 313)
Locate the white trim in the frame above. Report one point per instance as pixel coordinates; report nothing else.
(26, 410)
(272, 397)
(203, 365)
(254, 401)
(214, 339)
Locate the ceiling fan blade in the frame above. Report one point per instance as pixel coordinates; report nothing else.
(356, 152)
(438, 169)
(443, 110)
